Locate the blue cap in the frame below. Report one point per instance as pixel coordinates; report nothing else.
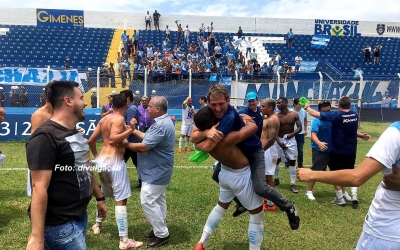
(251, 96)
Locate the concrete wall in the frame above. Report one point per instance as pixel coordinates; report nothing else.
(98, 19)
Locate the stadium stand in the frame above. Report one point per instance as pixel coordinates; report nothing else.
(35, 46)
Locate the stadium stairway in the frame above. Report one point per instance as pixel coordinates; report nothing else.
(112, 57)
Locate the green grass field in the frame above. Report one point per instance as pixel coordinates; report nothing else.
(191, 195)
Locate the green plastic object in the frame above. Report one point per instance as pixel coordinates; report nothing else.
(198, 157)
(303, 101)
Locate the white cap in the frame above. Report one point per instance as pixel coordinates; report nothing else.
(43, 88)
(153, 92)
(1, 87)
(137, 92)
(90, 69)
(94, 90)
(114, 92)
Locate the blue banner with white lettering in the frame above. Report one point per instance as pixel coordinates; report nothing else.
(34, 76)
(60, 18)
(308, 66)
(320, 41)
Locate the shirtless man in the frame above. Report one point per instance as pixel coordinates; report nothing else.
(39, 117)
(233, 180)
(111, 167)
(287, 141)
(269, 134)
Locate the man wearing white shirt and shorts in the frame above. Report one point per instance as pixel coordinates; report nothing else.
(382, 223)
(187, 123)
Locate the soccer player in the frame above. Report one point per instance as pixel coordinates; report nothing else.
(382, 223)
(269, 134)
(287, 142)
(187, 123)
(229, 119)
(112, 168)
(234, 179)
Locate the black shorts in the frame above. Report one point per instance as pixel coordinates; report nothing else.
(341, 161)
(320, 160)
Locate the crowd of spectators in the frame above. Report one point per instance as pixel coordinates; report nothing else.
(206, 57)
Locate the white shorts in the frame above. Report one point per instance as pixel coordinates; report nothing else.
(114, 178)
(370, 242)
(187, 129)
(237, 182)
(290, 153)
(271, 159)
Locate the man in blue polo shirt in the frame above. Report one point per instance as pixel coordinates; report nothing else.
(229, 120)
(253, 111)
(321, 145)
(156, 164)
(344, 142)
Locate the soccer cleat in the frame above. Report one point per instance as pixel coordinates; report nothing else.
(239, 211)
(293, 188)
(346, 196)
(354, 199)
(187, 149)
(96, 229)
(130, 243)
(310, 196)
(199, 247)
(339, 202)
(293, 217)
(179, 150)
(268, 207)
(276, 182)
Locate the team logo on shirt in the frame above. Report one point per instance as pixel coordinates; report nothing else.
(380, 28)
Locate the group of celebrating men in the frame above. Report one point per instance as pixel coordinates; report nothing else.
(247, 147)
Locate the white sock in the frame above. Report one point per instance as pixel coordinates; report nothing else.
(180, 142)
(339, 194)
(353, 190)
(186, 141)
(256, 230)
(121, 216)
(309, 192)
(212, 222)
(292, 173)
(277, 170)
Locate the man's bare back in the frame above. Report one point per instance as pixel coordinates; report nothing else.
(229, 155)
(41, 116)
(106, 123)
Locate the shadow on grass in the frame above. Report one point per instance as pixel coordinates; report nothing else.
(231, 245)
(11, 213)
(178, 234)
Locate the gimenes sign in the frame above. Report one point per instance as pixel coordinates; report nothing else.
(60, 18)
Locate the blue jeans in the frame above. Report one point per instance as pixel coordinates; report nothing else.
(68, 236)
(300, 145)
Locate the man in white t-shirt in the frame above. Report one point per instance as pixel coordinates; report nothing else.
(386, 100)
(300, 136)
(382, 223)
(249, 44)
(147, 20)
(297, 61)
(210, 29)
(186, 35)
(187, 123)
